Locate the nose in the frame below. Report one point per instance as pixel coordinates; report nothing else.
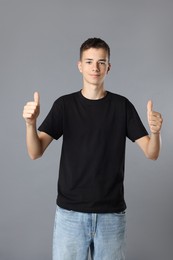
(95, 66)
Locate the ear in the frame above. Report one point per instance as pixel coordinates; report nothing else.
(109, 67)
(79, 66)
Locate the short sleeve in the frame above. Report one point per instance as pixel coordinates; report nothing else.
(134, 126)
(53, 123)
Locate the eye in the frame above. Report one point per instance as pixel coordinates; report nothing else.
(88, 62)
(102, 62)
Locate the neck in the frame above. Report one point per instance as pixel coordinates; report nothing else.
(93, 93)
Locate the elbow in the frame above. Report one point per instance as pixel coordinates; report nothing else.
(153, 157)
(35, 156)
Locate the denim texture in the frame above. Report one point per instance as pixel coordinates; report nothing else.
(77, 234)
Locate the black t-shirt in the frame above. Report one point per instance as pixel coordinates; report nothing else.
(91, 172)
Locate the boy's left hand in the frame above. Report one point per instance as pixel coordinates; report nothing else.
(154, 119)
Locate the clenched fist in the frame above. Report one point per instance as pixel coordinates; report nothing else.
(32, 109)
(154, 119)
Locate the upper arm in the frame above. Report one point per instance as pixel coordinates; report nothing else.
(143, 143)
(45, 140)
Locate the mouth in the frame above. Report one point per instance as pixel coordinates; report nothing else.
(95, 75)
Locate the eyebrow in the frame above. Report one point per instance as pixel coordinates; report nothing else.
(98, 60)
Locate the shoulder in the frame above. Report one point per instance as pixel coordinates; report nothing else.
(119, 99)
(65, 99)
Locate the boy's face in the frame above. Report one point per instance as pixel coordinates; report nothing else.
(94, 66)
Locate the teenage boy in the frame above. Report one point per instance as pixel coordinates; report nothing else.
(94, 124)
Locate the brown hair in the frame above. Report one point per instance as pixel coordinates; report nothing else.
(94, 43)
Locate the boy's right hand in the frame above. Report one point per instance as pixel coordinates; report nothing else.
(32, 109)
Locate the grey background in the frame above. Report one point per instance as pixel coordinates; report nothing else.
(39, 47)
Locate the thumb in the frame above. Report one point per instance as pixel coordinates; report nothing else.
(149, 106)
(37, 98)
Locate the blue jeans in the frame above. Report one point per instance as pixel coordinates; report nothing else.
(75, 234)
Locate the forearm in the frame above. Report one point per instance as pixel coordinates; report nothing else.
(34, 145)
(154, 145)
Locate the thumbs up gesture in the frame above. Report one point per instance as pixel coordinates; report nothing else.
(32, 109)
(154, 119)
